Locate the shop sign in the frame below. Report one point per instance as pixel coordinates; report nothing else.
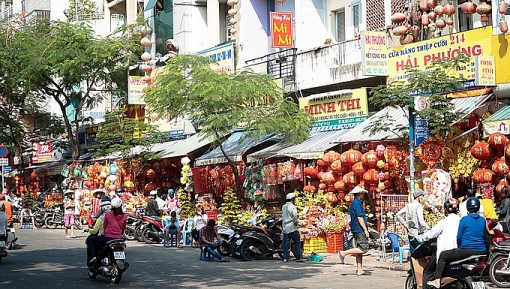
(502, 126)
(135, 90)
(485, 71)
(90, 135)
(221, 57)
(421, 130)
(281, 30)
(343, 109)
(421, 54)
(374, 60)
(42, 152)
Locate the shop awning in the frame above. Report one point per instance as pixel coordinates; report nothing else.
(315, 146)
(186, 146)
(87, 155)
(499, 121)
(463, 107)
(268, 152)
(233, 146)
(156, 148)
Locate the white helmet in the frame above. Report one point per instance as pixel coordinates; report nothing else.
(106, 206)
(116, 203)
(153, 193)
(291, 196)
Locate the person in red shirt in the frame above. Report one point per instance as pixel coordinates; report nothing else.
(8, 213)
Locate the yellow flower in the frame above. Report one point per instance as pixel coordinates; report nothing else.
(380, 164)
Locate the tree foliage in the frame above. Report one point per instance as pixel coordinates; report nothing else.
(123, 135)
(67, 63)
(82, 10)
(434, 83)
(218, 102)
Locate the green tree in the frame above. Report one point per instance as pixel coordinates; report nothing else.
(434, 83)
(120, 134)
(74, 67)
(83, 10)
(218, 102)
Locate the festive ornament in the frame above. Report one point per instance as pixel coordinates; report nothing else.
(482, 151)
(371, 176)
(380, 150)
(350, 157)
(483, 176)
(370, 159)
(113, 169)
(497, 140)
(359, 169)
(112, 178)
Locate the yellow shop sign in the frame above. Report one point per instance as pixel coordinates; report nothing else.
(340, 109)
(474, 43)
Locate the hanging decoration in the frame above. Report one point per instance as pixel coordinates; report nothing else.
(484, 10)
(430, 151)
(502, 9)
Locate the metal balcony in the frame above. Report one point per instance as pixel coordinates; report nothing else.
(7, 13)
(281, 65)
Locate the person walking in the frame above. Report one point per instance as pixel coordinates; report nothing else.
(359, 229)
(69, 213)
(290, 229)
(414, 222)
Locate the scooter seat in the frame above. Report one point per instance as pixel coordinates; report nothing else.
(114, 241)
(474, 258)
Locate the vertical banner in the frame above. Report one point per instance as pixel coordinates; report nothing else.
(485, 71)
(281, 30)
(374, 60)
(135, 90)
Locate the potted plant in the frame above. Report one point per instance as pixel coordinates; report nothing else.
(334, 225)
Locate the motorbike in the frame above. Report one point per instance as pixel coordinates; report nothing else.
(264, 242)
(110, 261)
(4, 245)
(131, 225)
(462, 274)
(151, 229)
(226, 233)
(499, 269)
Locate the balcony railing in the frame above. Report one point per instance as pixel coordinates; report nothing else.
(326, 65)
(280, 64)
(7, 13)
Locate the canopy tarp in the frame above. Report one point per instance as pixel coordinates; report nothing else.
(315, 146)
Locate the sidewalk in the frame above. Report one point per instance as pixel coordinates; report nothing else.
(369, 261)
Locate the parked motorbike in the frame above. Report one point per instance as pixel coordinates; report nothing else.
(226, 233)
(263, 243)
(499, 270)
(152, 229)
(462, 274)
(110, 261)
(131, 225)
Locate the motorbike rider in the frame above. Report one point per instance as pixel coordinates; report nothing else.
(114, 226)
(105, 200)
(95, 205)
(152, 208)
(4, 224)
(446, 233)
(98, 229)
(414, 221)
(8, 213)
(470, 240)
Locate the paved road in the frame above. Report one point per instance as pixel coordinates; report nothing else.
(46, 259)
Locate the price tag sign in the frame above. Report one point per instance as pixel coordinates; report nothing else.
(4, 162)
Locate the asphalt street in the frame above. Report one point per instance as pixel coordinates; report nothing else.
(45, 259)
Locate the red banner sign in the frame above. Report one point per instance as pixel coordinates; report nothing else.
(281, 30)
(42, 152)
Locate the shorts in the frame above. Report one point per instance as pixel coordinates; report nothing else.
(361, 241)
(68, 220)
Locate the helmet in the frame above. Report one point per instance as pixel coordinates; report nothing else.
(170, 191)
(106, 206)
(105, 199)
(116, 203)
(451, 206)
(119, 191)
(98, 191)
(153, 193)
(290, 196)
(473, 205)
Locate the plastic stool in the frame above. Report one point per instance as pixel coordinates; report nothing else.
(173, 240)
(205, 255)
(26, 225)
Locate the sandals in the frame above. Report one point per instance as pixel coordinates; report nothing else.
(224, 260)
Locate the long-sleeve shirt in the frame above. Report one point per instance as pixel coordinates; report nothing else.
(114, 225)
(152, 208)
(446, 233)
(414, 220)
(504, 207)
(289, 218)
(471, 233)
(98, 228)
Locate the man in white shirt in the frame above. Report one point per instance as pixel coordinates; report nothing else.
(414, 221)
(290, 229)
(446, 233)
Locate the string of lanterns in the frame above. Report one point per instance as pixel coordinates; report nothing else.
(146, 56)
(232, 12)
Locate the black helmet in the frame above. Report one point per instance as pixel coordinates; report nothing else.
(451, 206)
(473, 205)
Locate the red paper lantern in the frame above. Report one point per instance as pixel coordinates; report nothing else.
(311, 172)
(336, 166)
(322, 186)
(309, 189)
(328, 178)
(370, 159)
(507, 152)
(350, 179)
(500, 167)
(228, 170)
(149, 187)
(483, 176)
(349, 197)
(330, 189)
(371, 176)
(339, 186)
(150, 173)
(331, 198)
(359, 169)
(322, 163)
(500, 187)
(330, 157)
(350, 157)
(483, 151)
(497, 140)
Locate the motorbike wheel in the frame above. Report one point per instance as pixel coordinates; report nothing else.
(246, 253)
(410, 282)
(130, 234)
(235, 250)
(224, 249)
(92, 274)
(77, 224)
(50, 223)
(499, 263)
(138, 234)
(145, 235)
(116, 274)
(39, 222)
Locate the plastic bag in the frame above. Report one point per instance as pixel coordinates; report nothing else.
(314, 257)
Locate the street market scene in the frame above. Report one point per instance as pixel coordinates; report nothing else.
(328, 144)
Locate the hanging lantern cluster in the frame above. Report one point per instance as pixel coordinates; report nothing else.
(146, 31)
(502, 8)
(484, 10)
(232, 21)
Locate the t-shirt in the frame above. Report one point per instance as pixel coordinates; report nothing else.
(8, 210)
(200, 221)
(68, 206)
(488, 209)
(171, 225)
(77, 207)
(114, 225)
(355, 211)
(413, 218)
